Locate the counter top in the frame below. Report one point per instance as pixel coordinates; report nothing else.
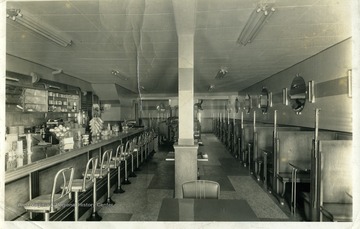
(79, 149)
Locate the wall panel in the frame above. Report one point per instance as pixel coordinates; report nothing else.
(329, 70)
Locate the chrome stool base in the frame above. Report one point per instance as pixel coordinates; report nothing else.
(126, 181)
(132, 174)
(109, 201)
(119, 190)
(94, 217)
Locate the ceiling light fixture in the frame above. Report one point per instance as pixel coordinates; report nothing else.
(19, 107)
(118, 74)
(57, 71)
(221, 73)
(211, 87)
(254, 24)
(115, 72)
(28, 22)
(54, 87)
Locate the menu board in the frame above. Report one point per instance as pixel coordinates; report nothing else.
(35, 100)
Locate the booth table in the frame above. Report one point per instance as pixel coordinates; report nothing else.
(205, 210)
(298, 166)
(171, 157)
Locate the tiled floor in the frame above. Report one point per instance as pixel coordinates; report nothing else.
(142, 198)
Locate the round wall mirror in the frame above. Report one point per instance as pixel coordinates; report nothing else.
(264, 100)
(297, 94)
(247, 103)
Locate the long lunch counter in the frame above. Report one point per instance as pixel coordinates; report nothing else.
(34, 179)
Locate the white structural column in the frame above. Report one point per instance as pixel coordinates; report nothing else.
(186, 89)
(185, 150)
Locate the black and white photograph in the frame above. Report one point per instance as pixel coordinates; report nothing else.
(179, 114)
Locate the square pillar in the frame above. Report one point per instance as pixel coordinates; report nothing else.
(186, 89)
(185, 166)
(185, 150)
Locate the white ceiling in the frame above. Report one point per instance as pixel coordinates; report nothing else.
(118, 34)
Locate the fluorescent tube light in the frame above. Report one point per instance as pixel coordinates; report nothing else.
(118, 74)
(12, 79)
(54, 87)
(15, 15)
(19, 107)
(254, 24)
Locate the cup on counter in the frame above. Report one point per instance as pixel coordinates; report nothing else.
(85, 139)
(85, 136)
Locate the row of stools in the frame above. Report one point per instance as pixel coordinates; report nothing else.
(139, 147)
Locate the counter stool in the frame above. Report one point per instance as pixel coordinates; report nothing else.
(259, 166)
(153, 143)
(125, 155)
(137, 149)
(82, 185)
(144, 147)
(98, 174)
(150, 144)
(110, 165)
(131, 152)
(117, 159)
(53, 202)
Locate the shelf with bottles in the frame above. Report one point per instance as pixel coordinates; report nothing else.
(62, 102)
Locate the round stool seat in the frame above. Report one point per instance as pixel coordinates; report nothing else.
(98, 173)
(50, 203)
(77, 185)
(122, 157)
(113, 164)
(42, 204)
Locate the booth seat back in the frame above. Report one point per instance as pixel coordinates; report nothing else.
(336, 171)
(201, 189)
(296, 146)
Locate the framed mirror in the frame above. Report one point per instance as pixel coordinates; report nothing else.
(297, 94)
(264, 100)
(247, 103)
